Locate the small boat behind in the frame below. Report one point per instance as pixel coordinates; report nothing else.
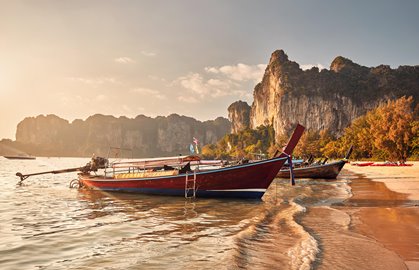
(315, 171)
(392, 164)
(362, 164)
(20, 157)
(318, 170)
(385, 164)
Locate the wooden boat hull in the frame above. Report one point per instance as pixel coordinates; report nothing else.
(373, 164)
(19, 157)
(365, 164)
(243, 181)
(325, 171)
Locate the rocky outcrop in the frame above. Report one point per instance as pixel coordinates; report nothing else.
(239, 114)
(52, 136)
(324, 99)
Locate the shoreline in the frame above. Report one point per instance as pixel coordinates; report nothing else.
(386, 202)
(399, 179)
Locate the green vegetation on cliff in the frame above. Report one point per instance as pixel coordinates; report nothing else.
(388, 132)
(244, 144)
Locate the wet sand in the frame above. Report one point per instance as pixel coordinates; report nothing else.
(400, 179)
(385, 207)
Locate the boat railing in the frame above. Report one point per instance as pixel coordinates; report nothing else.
(143, 168)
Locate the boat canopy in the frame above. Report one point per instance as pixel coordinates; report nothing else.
(157, 162)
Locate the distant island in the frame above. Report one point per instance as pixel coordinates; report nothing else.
(50, 135)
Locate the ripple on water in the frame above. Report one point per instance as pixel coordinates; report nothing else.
(49, 226)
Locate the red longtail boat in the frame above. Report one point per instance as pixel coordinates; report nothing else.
(173, 176)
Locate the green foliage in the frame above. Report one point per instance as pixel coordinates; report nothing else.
(243, 144)
(312, 142)
(356, 135)
(389, 132)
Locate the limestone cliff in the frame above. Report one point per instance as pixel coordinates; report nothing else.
(324, 99)
(52, 136)
(239, 116)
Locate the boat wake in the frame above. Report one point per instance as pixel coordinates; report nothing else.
(304, 253)
(274, 240)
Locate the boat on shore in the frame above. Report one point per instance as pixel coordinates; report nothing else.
(385, 164)
(317, 170)
(20, 157)
(362, 164)
(187, 176)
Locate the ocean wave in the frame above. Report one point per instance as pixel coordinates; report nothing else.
(304, 253)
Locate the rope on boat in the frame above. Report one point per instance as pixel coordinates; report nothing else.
(289, 158)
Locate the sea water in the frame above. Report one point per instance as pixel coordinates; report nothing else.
(47, 225)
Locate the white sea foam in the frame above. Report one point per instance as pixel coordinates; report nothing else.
(304, 253)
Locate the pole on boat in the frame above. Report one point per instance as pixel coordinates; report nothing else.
(348, 154)
(291, 171)
(24, 176)
(92, 166)
(287, 151)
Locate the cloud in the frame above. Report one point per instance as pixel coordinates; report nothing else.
(69, 100)
(240, 72)
(101, 97)
(124, 60)
(218, 82)
(126, 108)
(195, 83)
(148, 92)
(95, 81)
(156, 78)
(148, 54)
(309, 66)
(213, 85)
(189, 99)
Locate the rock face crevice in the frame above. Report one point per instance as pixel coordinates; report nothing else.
(147, 137)
(323, 99)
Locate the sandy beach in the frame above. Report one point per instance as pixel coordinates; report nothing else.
(388, 211)
(399, 179)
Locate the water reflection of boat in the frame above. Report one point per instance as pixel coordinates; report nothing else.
(20, 157)
(174, 176)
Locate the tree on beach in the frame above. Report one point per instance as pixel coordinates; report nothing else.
(312, 142)
(393, 128)
(388, 132)
(356, 135)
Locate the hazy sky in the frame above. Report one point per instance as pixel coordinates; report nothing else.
(78, 58)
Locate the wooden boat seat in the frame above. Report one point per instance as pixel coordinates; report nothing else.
(146, 174)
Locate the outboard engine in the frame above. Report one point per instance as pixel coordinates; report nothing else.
(95, 164)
